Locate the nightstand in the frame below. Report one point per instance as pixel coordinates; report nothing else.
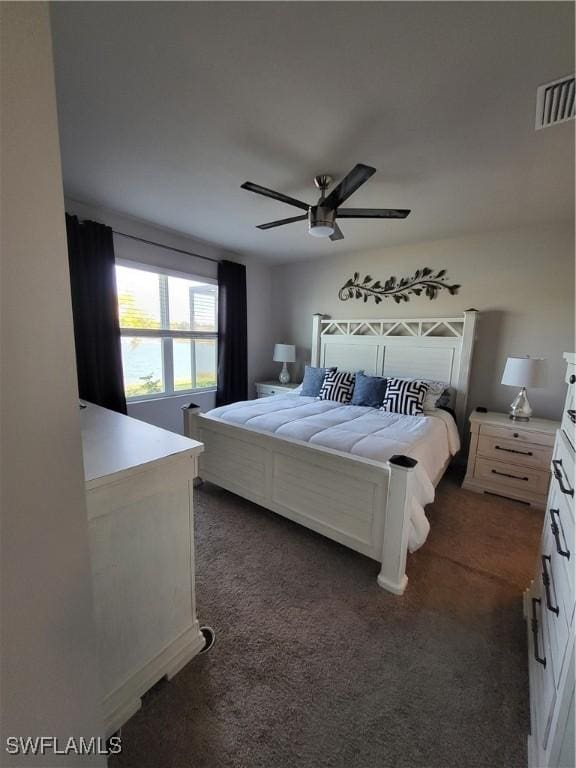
(510, 458)
(267, 388)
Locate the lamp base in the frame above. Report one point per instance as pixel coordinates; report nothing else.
(284, 377)
(520, 409)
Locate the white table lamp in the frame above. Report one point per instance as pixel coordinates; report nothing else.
(523, 372)
(284, 353)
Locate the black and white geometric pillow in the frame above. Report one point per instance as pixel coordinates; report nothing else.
(338, 386)
(405, 396)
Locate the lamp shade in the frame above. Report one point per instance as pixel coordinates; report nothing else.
(284, 353)
(524, 372)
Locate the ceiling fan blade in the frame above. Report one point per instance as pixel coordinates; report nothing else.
(372, 213)
(280, 222)
(349, 184)
(274, 195)
(337, 234)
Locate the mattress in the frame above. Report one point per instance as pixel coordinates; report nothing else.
(431, 439)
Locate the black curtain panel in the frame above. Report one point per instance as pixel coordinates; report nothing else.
(232, 334)
(95, 310)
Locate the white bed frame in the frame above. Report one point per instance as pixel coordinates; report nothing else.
(360, 503)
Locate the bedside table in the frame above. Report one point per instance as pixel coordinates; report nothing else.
(267, 388)
(510, 458)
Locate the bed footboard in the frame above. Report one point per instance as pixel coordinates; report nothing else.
(357, 502)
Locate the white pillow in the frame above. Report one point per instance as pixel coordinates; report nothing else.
(433, 394)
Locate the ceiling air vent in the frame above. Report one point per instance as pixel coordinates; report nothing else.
(555, 102)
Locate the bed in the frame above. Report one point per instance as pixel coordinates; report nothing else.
(357, 475)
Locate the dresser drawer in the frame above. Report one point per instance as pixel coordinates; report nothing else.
(508, 476)
(515, 452)
(519, 435)
(560, 530)
(569, 414)
(542, 685)
(553, 608)
(563, 469)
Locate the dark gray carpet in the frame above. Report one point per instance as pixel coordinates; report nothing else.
(314, 665)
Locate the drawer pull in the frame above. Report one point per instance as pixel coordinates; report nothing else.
(505, 474)
(534, 625)
(546, 582)
(556, 463)
(556, 533)
(573, 379)
(512, 450)
(572, 416)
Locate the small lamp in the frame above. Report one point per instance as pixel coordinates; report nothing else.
(284, 353)
(522, 372)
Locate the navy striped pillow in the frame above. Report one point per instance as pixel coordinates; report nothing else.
(338, 386)
(405, 396)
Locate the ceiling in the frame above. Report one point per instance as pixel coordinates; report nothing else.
(166, 108)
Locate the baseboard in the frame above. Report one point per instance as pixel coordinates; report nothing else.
(124, 701)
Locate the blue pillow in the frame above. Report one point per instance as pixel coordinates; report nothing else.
(369, 391)
(313, 380)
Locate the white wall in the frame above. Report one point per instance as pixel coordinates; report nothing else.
(522, 281)
(165, 412)
(49, 664)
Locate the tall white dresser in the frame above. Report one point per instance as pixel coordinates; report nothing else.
(549, 606)
(141, 532)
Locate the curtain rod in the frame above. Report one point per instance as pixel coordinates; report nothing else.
(168, 247)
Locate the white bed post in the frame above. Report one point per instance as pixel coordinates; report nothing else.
(468, 334)
(316, 339)
(189, 414)
(392, 576)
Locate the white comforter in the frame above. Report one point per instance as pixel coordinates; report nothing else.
(368, 432)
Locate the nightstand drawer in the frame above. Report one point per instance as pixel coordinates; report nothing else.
(511, 476)
(267, 391)
(515, 452)
(269, 388)
(521, 434)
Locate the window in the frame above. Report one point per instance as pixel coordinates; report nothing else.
(169, 327)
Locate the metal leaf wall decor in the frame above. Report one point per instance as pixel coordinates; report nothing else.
(424, 281)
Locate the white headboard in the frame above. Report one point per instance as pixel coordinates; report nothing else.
(429, 348)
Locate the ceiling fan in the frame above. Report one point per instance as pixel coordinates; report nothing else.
(322, 216)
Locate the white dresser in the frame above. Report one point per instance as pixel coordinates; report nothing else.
(549, 607)
(139, 496)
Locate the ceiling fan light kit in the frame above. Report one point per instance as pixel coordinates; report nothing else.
(321, 221)
(322, 216)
